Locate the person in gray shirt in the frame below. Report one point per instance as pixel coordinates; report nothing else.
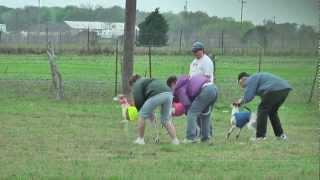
(273, 92)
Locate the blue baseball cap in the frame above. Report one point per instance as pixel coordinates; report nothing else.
(197, 46)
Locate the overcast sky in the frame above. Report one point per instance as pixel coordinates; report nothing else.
(298, 11)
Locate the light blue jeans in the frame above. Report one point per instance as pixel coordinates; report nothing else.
(201, 108)
(164, 100)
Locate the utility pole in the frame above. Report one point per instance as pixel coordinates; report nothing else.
(185, 9)
(274, 20)
(16, 21)
(242, 3)
(128, 47)
(39, 19)
(186, 6)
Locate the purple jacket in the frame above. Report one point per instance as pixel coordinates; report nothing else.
(188, 88)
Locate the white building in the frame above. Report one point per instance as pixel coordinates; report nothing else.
(3, 28)
(103, 29)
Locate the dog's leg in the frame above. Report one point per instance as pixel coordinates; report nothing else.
(230, 131)
(238, 134)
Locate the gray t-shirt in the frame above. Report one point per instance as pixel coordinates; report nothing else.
(202, 66)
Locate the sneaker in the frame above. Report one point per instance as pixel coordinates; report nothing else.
(175, 141)
(282, 137)
(205, 140)
(190, 141)
(257, 139)
(139, 141)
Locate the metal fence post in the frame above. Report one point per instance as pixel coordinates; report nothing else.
(150, 68)
(260, 60)
(116, 73)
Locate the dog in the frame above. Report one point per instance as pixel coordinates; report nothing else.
(240, 119)
(125, 105)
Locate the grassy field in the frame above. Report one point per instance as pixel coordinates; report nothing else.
(81, 137)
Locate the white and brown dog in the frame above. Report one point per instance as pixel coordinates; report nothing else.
(124, 103)
(239, 119)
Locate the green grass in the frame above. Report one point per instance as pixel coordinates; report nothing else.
(81, 137)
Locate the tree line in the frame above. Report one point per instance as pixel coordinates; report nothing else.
(193, 25)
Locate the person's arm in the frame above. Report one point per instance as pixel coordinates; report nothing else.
(138, 97)
(250, 90)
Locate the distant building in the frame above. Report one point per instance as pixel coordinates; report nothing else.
(3, 28)
(103, 29)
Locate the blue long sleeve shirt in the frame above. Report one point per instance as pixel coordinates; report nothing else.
(261, 83)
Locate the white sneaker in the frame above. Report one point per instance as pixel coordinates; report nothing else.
(139, 141)
(190, 141)
(259, 139)
(175, 141)
(282, 137)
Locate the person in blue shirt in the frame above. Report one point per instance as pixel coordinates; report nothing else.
(273, 92)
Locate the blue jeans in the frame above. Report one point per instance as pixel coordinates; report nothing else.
(201, 108)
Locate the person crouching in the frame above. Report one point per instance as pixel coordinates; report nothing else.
(198, 96)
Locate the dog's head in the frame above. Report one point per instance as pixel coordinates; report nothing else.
(122, 99)
(235, 108)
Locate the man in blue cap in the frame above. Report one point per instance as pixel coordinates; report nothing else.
(201, 65)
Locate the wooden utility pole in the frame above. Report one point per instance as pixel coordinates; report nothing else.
(242, 3)
(128, 47)
(39, 20)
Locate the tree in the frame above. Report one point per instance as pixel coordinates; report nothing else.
(153, 30)
(259, 34)
(128, 48)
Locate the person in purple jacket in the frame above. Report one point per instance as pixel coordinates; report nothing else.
(198, 100)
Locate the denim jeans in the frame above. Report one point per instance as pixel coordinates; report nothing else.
(201, 108)
(164, 100)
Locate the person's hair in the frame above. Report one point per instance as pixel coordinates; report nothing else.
(243, 74)
(171, 80)
(133, 79)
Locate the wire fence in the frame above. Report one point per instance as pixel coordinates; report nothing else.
(93, 78)
(88, 41)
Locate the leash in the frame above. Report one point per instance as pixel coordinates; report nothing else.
(246, 108)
